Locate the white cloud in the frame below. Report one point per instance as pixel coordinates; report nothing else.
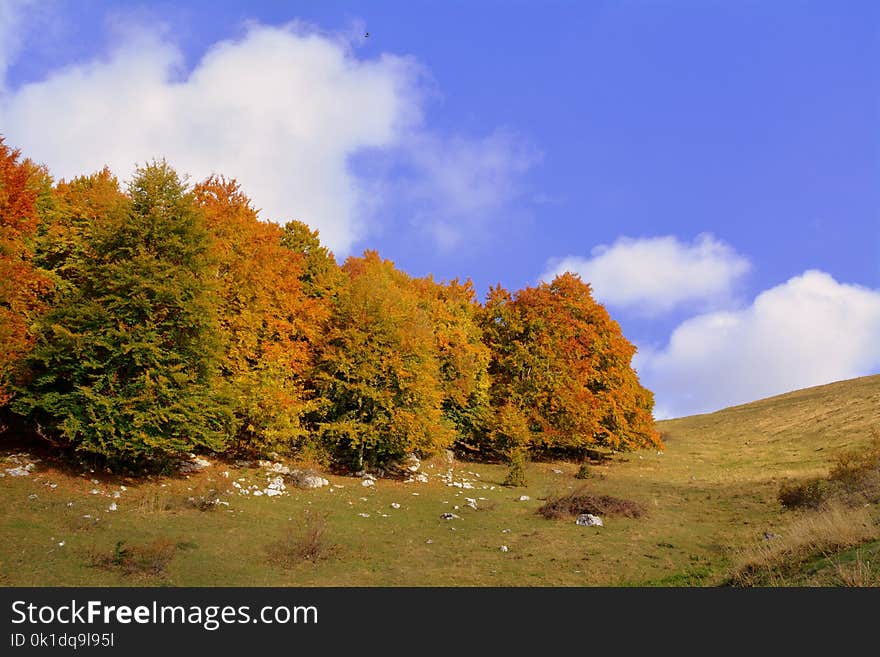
(282, 109)
(461, 184)
(655, 275)
(808, 331)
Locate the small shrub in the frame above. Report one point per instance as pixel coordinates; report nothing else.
(583, 472)
(308, 542)
(856, 474)
(149, 559)
(516, 471)
(580, 501)
(808, 495)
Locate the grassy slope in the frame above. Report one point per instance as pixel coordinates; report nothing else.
(711, 493)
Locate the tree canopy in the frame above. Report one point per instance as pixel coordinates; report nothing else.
(138, 324)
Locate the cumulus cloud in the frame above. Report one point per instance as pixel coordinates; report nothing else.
(808, 331)
(282, 109)
(655, 275)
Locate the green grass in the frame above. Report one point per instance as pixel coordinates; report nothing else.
(709, 496)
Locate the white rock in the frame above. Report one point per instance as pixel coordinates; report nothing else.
(524, 498)
(364, 515)
(61, 543)
(504, 548)
(95, 491)
(589, 520)
(257, 493)
(449, 516)
(307, 479)
(412, 463)
(368, 482)
(112, 507)
(195, 464)
(395, 505)
(20, 471)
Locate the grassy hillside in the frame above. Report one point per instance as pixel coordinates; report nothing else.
(710, 498)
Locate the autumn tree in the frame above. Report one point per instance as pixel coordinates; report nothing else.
(125, 363)
(563, 365)
(462, 356)
(379, 373)
(269, 324)
(320, 276)
(21, 284)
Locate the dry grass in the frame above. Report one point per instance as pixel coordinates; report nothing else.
(857, 573)
(853, 481)
(308, 542)
(148, 559)
(812, 535)
(580, 501)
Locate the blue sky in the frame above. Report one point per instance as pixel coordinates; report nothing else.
(711, 167)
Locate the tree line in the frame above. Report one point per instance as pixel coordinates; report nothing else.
(141, 322)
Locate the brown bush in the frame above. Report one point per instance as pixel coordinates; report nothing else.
(808, 495)
(580, 501)
(308, 542)
(854, 480)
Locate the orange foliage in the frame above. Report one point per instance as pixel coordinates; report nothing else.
(20, 282)
(562, 361)
(268, 323)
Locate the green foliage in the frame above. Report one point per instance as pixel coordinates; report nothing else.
(378, 373)
(516, 469)
(125, 361)
(320, 276)
(463, 359)
(140, 325)
(268, 324)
